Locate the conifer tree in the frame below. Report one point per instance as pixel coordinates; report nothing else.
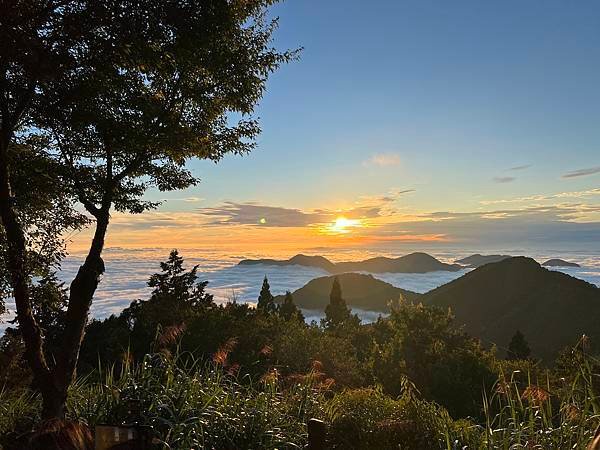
(518, 347)
(266, 301)
(288, 310)
(177, 297)
(179, 285)
(337, 312)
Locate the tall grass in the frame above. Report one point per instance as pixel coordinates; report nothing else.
(194, 404)
(198, 405)
(542, 415)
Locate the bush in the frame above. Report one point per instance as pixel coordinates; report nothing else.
(368, 419)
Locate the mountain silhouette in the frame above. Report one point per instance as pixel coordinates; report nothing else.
(412, 263)
(478, 260)
(555, 262)
(359, 290)
(552, 309)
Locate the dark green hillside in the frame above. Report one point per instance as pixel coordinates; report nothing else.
(550, 308)
(359, 291)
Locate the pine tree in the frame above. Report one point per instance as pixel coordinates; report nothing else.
(266, 301)
(177, 284)
(518, 347)
(177, 296)
(336, 312)
(288, 310)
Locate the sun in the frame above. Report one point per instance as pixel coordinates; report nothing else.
(341, 225)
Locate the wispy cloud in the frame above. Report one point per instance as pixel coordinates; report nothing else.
(184, 199)
(582, 172)
(405, 191)
(504, 179)
(544, 197)
(523, 167)
(383, 160)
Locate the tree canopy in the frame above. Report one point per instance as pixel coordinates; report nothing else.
(121, 94)
(288, 309)
(337, 312)
(266, 301)
(518, 348)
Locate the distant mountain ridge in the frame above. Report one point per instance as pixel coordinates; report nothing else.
(478, 260)
(555, 262)
(550, 308)
(359, 290)
(411, 263)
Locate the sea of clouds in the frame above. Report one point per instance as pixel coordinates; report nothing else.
(127, 273)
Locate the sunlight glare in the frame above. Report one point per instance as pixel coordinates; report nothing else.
(342, 225)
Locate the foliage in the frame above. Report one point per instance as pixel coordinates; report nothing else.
(121, 95)
(368, 419)
(446, 365)
(337, 312)
(535, 415)
(230, 376)
(266, 301)
(177, 297)
(191, 401)
(288, 309)
(194, 404)
(518, 348)
(44, 208)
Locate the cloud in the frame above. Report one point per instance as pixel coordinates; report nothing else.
(185, 199)
(504, 179)
(523, 167)
(582, 172)
(383, 160)
(541, 224)
(405, 191)
(542, 197)
(232, 213)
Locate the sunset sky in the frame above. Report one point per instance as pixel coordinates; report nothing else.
(408, 121)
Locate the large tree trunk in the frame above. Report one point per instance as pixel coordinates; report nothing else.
(81, 293)
(15, 237)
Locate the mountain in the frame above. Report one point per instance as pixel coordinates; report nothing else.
(550, 308)
(559, 263)
(359, 290)
(478, 260)
(298, 260)
(412, 263)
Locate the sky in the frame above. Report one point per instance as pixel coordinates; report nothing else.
(406, 123)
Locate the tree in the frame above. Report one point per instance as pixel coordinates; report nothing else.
(46, 214)
(124, 93)
(518, 348)
(288, 309)
(177, 297)
(337, 312)
(266, 301)
(424, 344)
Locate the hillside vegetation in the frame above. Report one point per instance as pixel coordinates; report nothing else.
(235, 377)
(550, 308)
